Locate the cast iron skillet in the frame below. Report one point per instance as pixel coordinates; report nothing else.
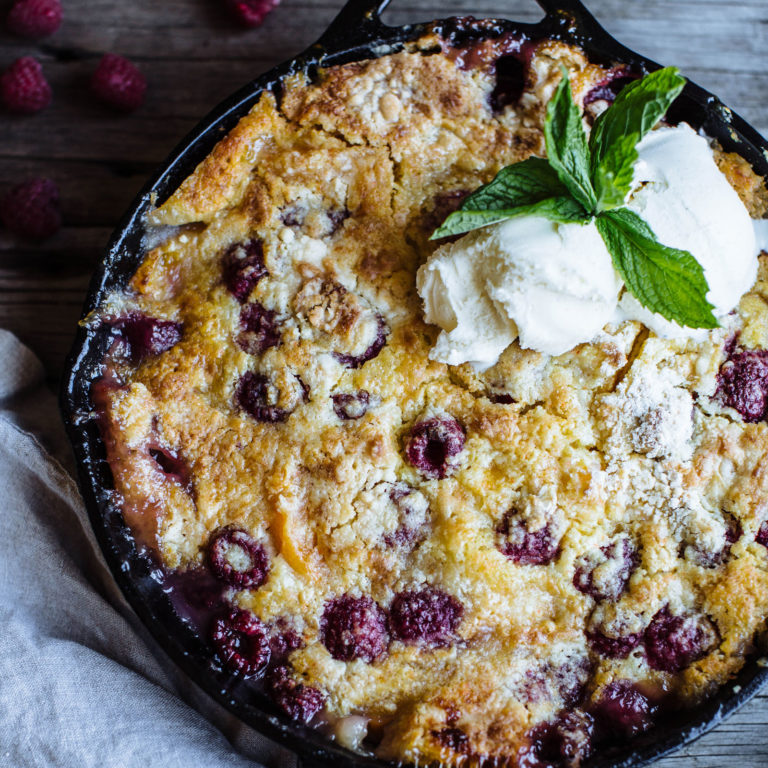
(357, 33)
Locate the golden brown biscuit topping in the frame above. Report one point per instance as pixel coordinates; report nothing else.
(436, 564)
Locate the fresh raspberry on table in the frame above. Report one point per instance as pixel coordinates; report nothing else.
(23, 87)
(31, 209)
(250, 13)
(118, 83)
(34, 18)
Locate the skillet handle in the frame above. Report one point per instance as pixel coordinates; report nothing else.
(358, 22)
(557, 7)
(573, 13)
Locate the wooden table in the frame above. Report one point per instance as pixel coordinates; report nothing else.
(193, 57)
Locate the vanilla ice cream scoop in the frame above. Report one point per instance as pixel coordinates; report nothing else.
(554, 286)
(689, 204)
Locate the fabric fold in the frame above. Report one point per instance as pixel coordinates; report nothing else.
(81, 681)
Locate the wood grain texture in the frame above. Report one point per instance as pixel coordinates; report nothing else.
(193, 57)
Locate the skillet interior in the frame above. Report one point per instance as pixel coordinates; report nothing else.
(357, 33)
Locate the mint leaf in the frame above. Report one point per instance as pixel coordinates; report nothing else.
(566, 143)
(637, 109)
(612, 177)
(665, 280)
(559, 209)
(519, 184)
(529, 187)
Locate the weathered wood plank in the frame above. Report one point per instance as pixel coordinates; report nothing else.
(45, 321)
(183, 29)
(73, 250)
(118, 183)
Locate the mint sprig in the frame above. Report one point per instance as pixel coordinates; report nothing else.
(616, 133)
(636, 110)
(584, 179)
(566, 145)
(529, 187)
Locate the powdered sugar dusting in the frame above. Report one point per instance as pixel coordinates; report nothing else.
(650, 414)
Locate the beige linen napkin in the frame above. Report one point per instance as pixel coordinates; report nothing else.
(81, 682)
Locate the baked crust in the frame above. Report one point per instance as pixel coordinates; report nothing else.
(341, 184)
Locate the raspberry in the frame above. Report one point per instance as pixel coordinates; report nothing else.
(523, 546)
(762, 534)
(354, 628)
(622, 710)
(283, 641)
(565, 681)
(413, 517)
(607, 583)
(237, 559)
(733, 530)
(31, 209)
(348, 407)
(296, 215)
(250, 13)
(259, 329)
(147, 336)
(118, 83)
(336, 218)
(23, 87)
(242, 642)
(376, 345)
(610, 87)
(254, 396)
(712, 558)
(742, 383)
(563, 743)
(672, 643)
(434, 445)
(34, 18)
(242, 267)
(429, 616)
(614, 647)
(300, 702)
(533, 687)
(454, 739)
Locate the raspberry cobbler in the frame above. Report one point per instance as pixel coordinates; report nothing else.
(430, 563)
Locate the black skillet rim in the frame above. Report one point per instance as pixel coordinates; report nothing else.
(357, 33)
